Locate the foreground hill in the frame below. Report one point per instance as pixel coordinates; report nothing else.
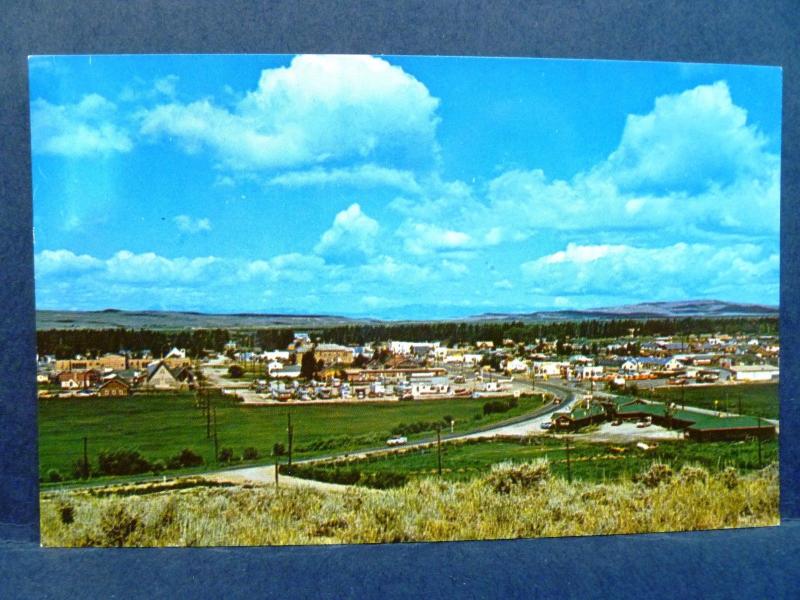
(522, 500)
(152, 319)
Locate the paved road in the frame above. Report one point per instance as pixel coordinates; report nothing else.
(528, 422)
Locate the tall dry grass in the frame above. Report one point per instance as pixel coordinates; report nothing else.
(511, 501)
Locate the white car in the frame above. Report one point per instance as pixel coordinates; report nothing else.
(397, 440)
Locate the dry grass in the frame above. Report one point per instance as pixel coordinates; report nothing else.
(511, 501)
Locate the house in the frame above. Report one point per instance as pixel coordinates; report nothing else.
(331, 354)
(161, 377)
(77, 380)
(516, 365)
(287, 372)
(176, 353)
(549, 368)
(588, 371)
(114, 387)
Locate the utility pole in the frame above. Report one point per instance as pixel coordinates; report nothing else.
(216, 442)
(569, 464)
(85, 469)
(739, 398)
(290, 434)
(439, 449)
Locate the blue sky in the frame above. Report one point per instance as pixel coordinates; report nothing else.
(401, 187)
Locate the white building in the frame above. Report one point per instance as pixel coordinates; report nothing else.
(588, 371)
(551, 368)
(516, 365)
(754, 373)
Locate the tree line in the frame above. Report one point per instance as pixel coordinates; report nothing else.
(94, 342)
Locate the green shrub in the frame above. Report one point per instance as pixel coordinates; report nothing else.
(225, 455)
(689, 474)
(657, 474)
(250, 453)
(66, 513)
(729, 478)
(122, 462)
(235, 371)
(507, 476)
(54, 476)
(186, 458)
(117, 526)
(158, 466)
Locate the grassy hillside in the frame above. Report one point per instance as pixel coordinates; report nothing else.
(757, 399)
(160, 426)
(509, 502)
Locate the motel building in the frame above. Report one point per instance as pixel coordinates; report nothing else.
(753, 373)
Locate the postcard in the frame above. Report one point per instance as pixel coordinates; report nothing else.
(334, 299)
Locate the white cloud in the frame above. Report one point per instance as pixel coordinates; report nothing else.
(293, 267)
(368, 175)
(64, 262)
(677, 271)
(187, 224)
(82, 129)
(387, 268)
(424, 238)
(166, 85)
(150, 267)
(320, 109)
(352, 231)
(688, 142)
(503, 284)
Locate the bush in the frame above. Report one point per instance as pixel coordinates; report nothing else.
(122, 462)
(158, 466)
(67, 513)
(382, 479)
(117, 526)
(225, 455)
(235, 371)
(507, 476)
(54, 476)
(186, 458)
(81, 470)
(278, 449)
(250, 453)
(689, 474)
(729, 478)
(499, 406)
(657, 474)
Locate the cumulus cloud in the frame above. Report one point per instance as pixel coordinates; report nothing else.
(691, 167)
(150, 267)
(318, 110)
(352, 231)
(292, 267)
(65, 262)
(424, 238)
(187, 224)
(688, 142)
(678, 271)
(82, 129)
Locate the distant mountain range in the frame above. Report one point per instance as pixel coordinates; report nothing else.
(153, 319)
(645, 310)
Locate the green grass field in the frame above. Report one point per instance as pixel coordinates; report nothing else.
(160, 426)
(757, 399)
(590, 462)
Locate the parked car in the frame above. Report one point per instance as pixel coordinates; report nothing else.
(546, 425)
(398, 440)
